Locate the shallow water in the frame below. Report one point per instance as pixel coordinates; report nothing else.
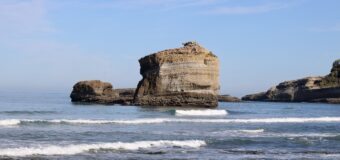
(48, 126)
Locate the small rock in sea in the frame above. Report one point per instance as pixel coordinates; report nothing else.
(228, 98)
(95, 91)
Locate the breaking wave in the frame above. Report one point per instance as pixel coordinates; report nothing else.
(81, 148)
(9, 122)
(252, 131)
(207, 112)
(263, 133)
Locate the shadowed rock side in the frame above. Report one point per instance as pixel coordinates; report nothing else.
(126, 96)
(310, 89)
(228, 98)
(187, 76)
(95, 91)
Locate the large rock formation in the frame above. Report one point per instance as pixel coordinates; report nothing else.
(95, 91)
(310, 89)
(187, 76)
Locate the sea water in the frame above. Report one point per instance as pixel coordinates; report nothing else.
(46, 125)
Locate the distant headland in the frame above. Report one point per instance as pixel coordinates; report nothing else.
(309, 89)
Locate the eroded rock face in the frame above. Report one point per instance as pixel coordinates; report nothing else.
(187, 76)
(310, 89)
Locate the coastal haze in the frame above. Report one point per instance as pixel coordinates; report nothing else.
(50, 45)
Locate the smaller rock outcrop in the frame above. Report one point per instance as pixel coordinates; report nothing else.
(95, 91)
(228, 98)
(310, 89)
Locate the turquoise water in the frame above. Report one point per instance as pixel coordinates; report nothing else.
(48, 126)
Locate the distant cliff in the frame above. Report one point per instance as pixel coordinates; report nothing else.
(310, 89)
(186, 76)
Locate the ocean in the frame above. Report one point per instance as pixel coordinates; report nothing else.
(47, 125)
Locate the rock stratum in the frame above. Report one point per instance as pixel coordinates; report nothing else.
(310, 89)
(95, 91)
(186, 76)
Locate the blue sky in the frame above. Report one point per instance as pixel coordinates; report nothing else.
(51, 44)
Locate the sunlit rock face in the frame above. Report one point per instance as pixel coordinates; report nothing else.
(186, 76)
(333, 78)
(310, 89)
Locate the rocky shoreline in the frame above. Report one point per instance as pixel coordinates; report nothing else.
(98, 92)
(189, 77)
(186, 76)
(311, 89)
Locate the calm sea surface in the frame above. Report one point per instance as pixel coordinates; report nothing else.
(48, 126)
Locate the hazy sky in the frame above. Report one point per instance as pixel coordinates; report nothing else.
(51, 44)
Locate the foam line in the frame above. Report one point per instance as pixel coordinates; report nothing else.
(11, 122)
(80, 148)
(207, 112)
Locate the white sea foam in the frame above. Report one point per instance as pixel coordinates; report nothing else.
(207, 112)
(294, 135)
(11, 122)
(80, 148)
(263, 120)
(252, 131)
(89, 121)
(136, 121)
(263, 133)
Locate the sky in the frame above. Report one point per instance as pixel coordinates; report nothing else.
(51, 44)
